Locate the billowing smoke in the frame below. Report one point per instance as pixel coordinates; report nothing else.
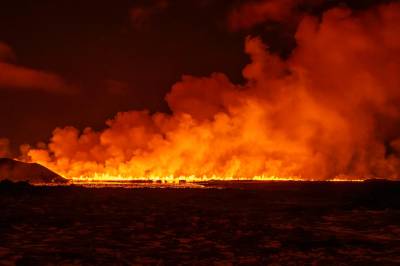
(332, 108)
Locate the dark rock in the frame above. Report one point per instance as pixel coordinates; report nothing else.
(378, 180)
(17, 171)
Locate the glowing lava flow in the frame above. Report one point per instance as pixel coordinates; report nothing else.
(331, 109)
(105, 178)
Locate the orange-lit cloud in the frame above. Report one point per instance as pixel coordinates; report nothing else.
(252, 13)
(332, 108)
(13, 76)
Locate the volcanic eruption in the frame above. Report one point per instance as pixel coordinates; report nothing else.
(331, 109)
(301, 91)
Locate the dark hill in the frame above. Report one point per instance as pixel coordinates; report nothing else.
(30, 172)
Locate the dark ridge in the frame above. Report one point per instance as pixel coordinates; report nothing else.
(378, 180)
(33, 173)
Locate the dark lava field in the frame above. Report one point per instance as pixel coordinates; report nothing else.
(270, 223)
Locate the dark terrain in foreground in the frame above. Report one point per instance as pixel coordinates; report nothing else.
(285, 223)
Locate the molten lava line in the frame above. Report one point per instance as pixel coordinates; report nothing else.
(105, 178)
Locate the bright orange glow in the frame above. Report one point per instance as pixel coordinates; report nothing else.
(326, 113)
(175, 179)
(103, 180)
(193, 179)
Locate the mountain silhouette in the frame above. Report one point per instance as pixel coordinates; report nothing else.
(30, 172)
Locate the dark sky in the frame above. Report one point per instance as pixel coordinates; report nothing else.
(116, 59)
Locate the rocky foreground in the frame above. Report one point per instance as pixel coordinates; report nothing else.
(246, 224)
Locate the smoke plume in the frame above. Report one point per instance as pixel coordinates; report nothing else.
(332, 108)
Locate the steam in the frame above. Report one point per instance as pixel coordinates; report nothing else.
(332, 108)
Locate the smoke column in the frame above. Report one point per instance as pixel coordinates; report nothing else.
(331, 109)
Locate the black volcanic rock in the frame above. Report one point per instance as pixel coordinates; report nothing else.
(29, 172)
(378, 180)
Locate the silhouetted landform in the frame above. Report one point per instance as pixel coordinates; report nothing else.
(29, 172)
(238, 223)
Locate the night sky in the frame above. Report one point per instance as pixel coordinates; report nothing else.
(111, 56)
